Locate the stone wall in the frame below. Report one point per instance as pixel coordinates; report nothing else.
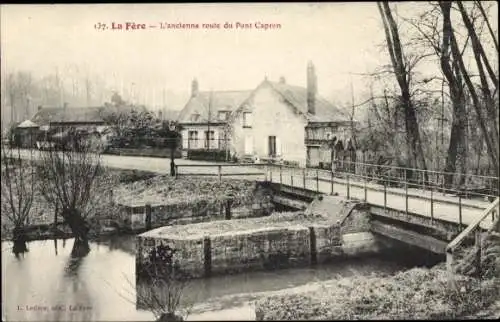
(190, 252)
(259, 249)
(136, 216)
(269, 242)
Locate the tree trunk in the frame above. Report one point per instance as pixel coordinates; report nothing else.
(80, 229)
(172, 162)
(170, 317)
(19, 239)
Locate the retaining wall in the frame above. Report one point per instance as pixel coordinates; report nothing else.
(136, 217)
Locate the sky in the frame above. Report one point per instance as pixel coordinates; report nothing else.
(341, 39)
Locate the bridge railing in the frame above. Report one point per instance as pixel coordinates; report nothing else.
(493, 210)
(387, 191)
(222, 170)
(467, 184)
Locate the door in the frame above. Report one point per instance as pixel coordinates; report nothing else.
(272, 146)
(313, 155)
(248, 145)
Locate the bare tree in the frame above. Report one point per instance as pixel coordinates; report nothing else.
(18, 190)
(482, 99)
(69, 182)
(165, 283)
(402, 70)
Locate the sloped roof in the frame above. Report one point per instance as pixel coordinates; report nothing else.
(297, 97)
(69, 114)
(221, 101)
(27, 124)
(171, 115)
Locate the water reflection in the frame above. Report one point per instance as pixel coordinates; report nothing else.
(102, 285)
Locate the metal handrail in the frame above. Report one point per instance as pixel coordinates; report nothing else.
(474, 226)
(459, 239)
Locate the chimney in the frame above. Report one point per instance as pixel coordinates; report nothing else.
(65, 104)
(311, 88)
(282, 80)
(39, 107)
(194, 88)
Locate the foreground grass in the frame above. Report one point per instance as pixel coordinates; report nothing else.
(418, 293)
(414, 294)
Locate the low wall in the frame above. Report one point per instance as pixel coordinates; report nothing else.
(272, 242)
(143, 152)
(139, 217)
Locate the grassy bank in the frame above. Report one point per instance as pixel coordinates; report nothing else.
(414, 294)
(418, 293)
(42, 214)
(134, 187)
(167, 190)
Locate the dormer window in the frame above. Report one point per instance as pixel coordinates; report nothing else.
(223, 115)
(195, 117)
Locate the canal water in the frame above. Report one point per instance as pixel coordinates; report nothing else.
(46, 284)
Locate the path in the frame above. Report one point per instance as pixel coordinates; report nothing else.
(445, 207)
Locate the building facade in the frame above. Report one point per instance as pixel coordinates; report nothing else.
(275, 122)
(205, 118)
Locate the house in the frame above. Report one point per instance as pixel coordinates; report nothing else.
(275, 122)
(278, 122)
(204, 118)
(56, 122)
(25, 134)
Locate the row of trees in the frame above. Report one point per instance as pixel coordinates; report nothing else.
(458, 41)
(22, 92)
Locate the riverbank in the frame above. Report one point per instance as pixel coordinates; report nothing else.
(419, 293)
(121, 187)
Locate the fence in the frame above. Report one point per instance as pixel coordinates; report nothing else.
(385, 189)
(492, 210)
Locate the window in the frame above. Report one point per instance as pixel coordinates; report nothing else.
(192, 139)
(209, 139)
(247, 119)
(223, 115)
(195, 117)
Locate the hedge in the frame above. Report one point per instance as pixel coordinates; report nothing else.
(207, 155)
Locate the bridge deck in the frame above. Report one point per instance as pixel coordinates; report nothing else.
(445, 207)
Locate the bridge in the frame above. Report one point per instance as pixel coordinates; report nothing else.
(410, 205)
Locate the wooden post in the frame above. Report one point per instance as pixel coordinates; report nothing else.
(366, 191)
(385, 194)
(304, 177)
(148, 216)
(348, 186)
(331, 182)
(228, 209)
(266, 170)
(478, 251)
(432, 204)
(291, 177)
(449, 265)
(406, 195)
(176, 171)
(219, 169)
(317, 180)
(460, 210)
(207, 252)
(111, 197)
(312, 245)
(281, 174)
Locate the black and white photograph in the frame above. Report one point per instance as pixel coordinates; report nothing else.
(250, 161)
